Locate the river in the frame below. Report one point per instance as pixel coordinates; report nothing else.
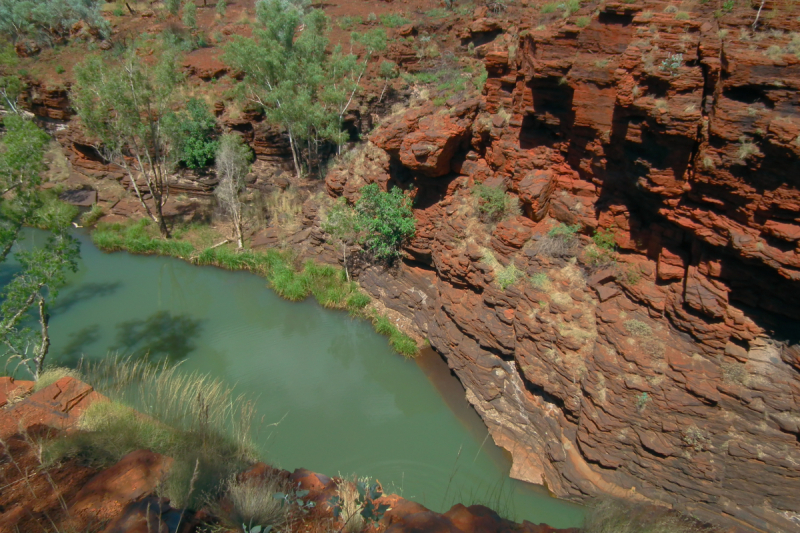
(333, 397)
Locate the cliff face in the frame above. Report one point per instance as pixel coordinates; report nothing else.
(672, 373)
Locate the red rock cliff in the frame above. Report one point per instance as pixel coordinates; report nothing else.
(671, 375)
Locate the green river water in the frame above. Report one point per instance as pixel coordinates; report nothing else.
(345, 402)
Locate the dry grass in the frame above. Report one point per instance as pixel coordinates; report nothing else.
(350, 505)
(253, 502)
(284, 208)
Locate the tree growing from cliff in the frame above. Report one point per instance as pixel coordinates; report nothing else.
(385, 220)
(127, 109)
(233, 159)
(342, 225)
(292, 77)
(41, 271)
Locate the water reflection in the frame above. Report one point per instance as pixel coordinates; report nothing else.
(160, 336)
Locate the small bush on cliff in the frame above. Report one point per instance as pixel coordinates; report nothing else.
(637, 328)
(494, 204)
(198, 127)
(386, 220)
(617, 516)
(560, 241)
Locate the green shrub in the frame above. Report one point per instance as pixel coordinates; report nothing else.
(190, 14)
(540, 280)
(582, 22)
(386, 219)
(564, 231)
(172, 6)
(682, 15)
(494, 204)
(403, 344)
(357, 301)
(549, 8)
(508, 276)
(93, 215)
(383, 325)
(221, 8)
(198, 126)
(393, 20)
(348, 23)
(60, 69)
(604, 239)
(572, 6)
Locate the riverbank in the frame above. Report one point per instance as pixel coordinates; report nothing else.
(290, 280)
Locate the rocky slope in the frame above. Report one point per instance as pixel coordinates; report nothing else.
(670, 374)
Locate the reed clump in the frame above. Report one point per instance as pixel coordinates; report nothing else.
(195, 419)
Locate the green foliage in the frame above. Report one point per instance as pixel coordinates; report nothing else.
(582, 22)
(347, 22)
(128, 108)
(494, 204)
(138, 239)
(357, 301)
(190, 14)
(728, 5)
(60, 69)
(604, 239)
(540, 280)
(93, 215)
(221, 8)
(618, 516)
(48, 21)
(571, 6)
(682, 15)
(402, 343)
(438, 13)
(672, 64)
(42, 270)
(564, 231)
(299, 85)
(388, 69)
(393, 20)
(508, 276)
(549, 8)
(197, 127)
(172, 6)
(385, 219)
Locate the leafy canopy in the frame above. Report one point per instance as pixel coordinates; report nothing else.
(48, 20)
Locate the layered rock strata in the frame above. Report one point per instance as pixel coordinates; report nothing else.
(670, 373)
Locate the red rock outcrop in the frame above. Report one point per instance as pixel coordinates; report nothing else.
(669, 375)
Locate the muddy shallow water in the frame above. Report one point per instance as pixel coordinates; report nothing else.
(333, 397)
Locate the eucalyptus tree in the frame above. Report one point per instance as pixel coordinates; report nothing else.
(128, 110)
(41, 271)
(232, 161)
(291, 76)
